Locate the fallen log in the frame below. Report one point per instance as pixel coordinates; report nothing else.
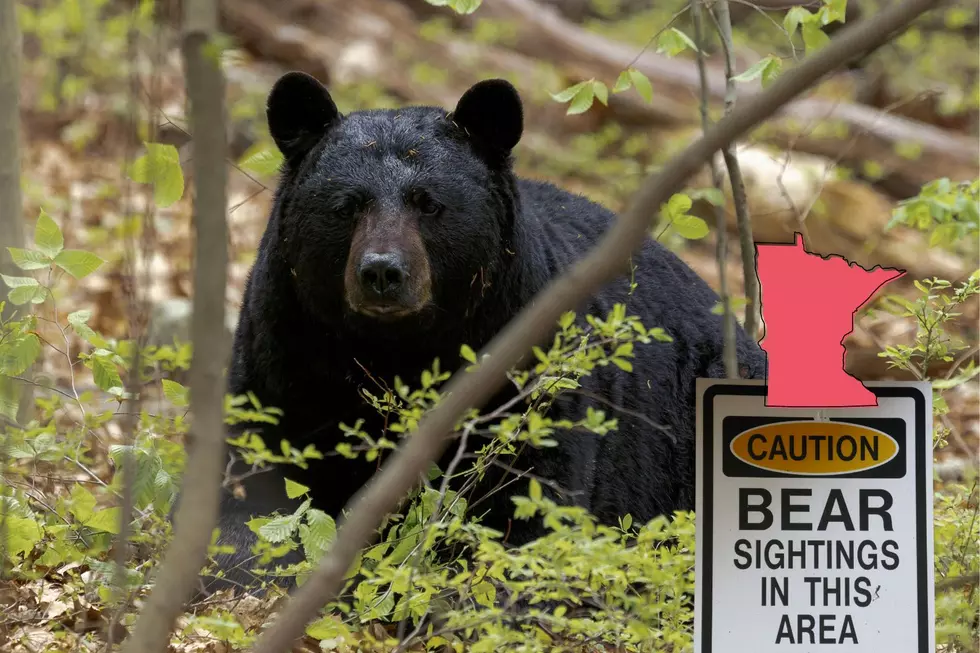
(544, 34)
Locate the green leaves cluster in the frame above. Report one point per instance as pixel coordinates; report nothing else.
(949, 212)
(581, 96)
(675, 213)
(160, 167)
(49, 253)
(810, 24)
(766, 70)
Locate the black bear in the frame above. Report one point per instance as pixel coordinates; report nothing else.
(395, 237)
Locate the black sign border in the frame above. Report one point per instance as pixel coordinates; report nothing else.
(707, 509)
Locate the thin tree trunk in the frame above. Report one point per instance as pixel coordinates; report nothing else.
(11, 220)
(729, 357)
(723, 22)
(198, 509)
(11, 208)
(11, 217)
(607, 261)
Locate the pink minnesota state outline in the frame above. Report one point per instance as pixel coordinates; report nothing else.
(808, 303)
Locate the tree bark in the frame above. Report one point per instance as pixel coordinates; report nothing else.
(11, 207)
(197, 512)
(11, 216)
(723, 21)
(729, 356)
(605, 262)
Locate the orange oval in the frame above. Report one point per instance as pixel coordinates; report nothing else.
(814, 448)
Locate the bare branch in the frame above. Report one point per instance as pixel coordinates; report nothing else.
(729, 356)
(723, 22)
(957, 582)
(197, 512)
(130, 414)
(608, 260)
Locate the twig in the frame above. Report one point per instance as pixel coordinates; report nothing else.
(723, 22)
(606, 261)
(416, 558)
(133, 396)
(721, 223)
(957, 582)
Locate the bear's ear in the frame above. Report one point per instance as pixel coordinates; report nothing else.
(491, 114)
(299, 111)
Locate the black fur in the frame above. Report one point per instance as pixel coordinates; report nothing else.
(497, 242)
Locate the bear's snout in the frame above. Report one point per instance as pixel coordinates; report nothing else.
(382, 275)
(387, 273)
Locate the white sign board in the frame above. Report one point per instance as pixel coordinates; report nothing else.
(814, 527)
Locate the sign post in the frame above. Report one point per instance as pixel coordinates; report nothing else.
(814, 526)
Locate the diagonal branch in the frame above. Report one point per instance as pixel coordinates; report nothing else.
(604, 263)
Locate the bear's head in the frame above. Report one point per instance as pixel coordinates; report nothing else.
(393, 216)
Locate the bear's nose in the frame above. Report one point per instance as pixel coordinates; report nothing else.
(382, 274)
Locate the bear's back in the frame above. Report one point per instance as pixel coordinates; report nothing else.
(563, 227)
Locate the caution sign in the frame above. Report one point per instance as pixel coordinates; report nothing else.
(814, 527)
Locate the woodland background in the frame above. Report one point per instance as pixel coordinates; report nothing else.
(851, 164)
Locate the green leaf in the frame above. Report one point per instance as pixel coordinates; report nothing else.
(678, 204)
(834, 11)
(459, 6)
(465, 7)
(24, 290)
(20, 355)
(674, 41)
(175, 393)
(623, 364)
(10, 394)
(294, 489)
(79, 324)
(642, 84)
(623, 82)
(710, 195)
(22, 533)
(771, 71)
(794, 18)
(485, 593)
(582, 101)
(813, 37)
(690, 227)
(600, 91)
(47, 235)
(81, 503)
(330, 627)
(78, 263)
(19, 282)
(105, 520)
(534, 489)
(755, 70)
(318, 533)
(160, 166)
(467, 353)
(105, 373)
(29, 259)
(279, 529)
(261, 160)
(568, 93)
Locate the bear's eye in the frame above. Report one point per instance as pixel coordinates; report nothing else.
(347, 207)
(425, 204)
